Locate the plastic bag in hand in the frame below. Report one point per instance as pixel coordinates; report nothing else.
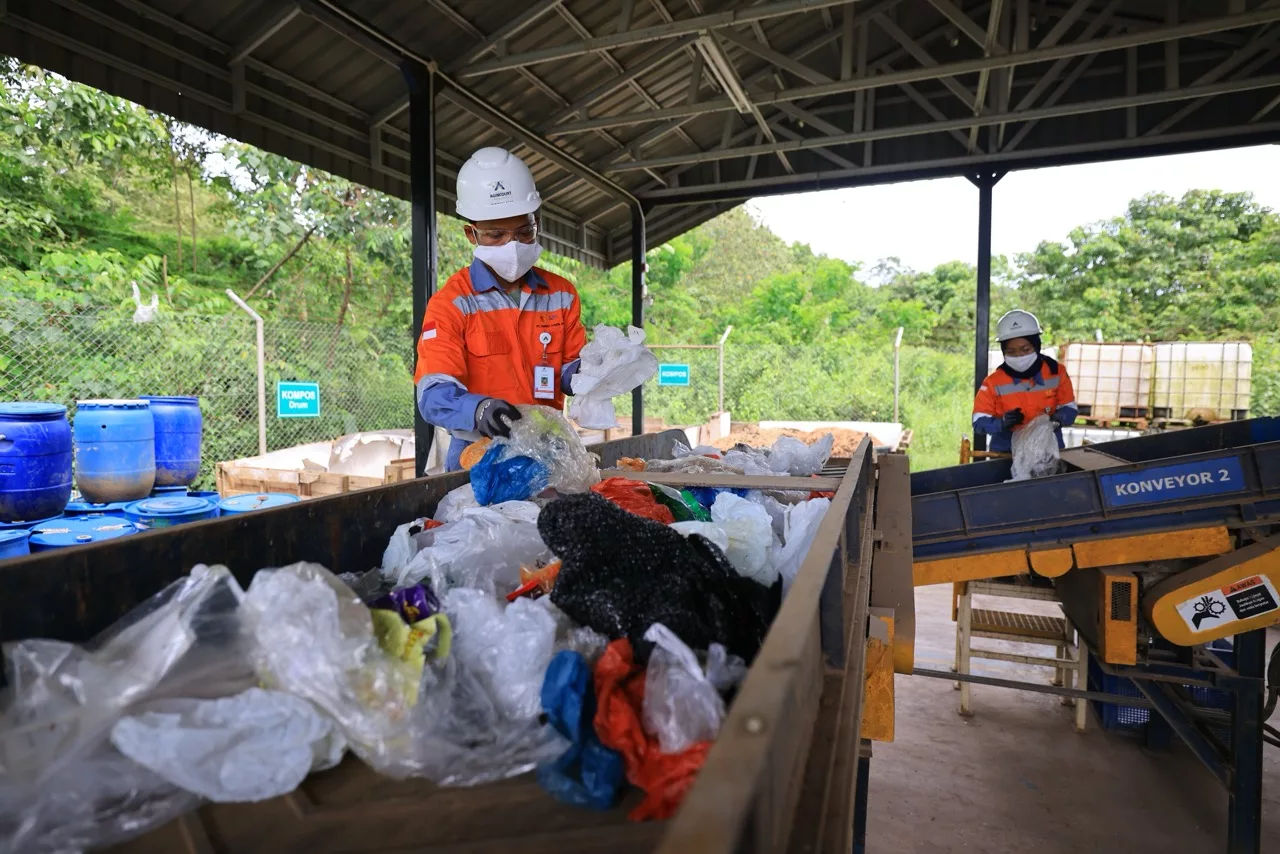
(802, 521)
(588, 774)
(681, 707)
(250, 747)
(315, 639)
(1035, 449)
(793, 457)
(750, 532)
(484, 548)
(503, 475)
(544, 435)
(613, 363)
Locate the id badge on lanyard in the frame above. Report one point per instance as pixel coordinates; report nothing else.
(544, 376)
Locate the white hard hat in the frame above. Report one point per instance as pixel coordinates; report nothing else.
(1016, 324)
(495, 184)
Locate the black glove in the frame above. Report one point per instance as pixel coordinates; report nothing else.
(1012, 419)
(494, 418)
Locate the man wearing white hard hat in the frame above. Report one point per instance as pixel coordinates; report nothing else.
(501, 331)
(1027, 384)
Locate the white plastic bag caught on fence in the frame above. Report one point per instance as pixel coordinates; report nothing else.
(613, 363)
(681, 706)
(250, 747)
(144, 313)
(1035, 450)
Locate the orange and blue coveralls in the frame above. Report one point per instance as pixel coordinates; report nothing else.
(1047, 391)
(478, 342)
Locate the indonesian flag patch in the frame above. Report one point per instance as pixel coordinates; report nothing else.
(429, 331)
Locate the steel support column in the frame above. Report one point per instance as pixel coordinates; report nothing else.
(985, 182)
(1244, 813)
(422, 191)
(638, 269)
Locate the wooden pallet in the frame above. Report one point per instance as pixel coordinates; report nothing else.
(239, 480)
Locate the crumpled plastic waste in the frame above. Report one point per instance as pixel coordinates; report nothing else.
(1035, 450)
(799, 527)
(621, 573)
(249, 747)
(664, 777)
(712, 531)
(454, 503)
(507, 646)
(409, 642)
(685, 461)
(724, 671)
(750, 532)
(706, 495)
(683, 506)
(634, 496)
(776, 509)
(588, 774)
(406, 541)
(793, 457)
(536, 581)
(368, 585)
(478, 719)
(484, 548)
(680, 450)
(543, 434)
(681, 706)
(613, 363)
(473, 453)
(411, 603)
(503, 475)
(62, 785)
(631, 464)
(313, 638)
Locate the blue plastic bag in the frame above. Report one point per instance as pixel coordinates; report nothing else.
(498, 478)
(706, 495)
(588, 774)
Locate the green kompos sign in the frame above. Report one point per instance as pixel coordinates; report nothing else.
(297, 400)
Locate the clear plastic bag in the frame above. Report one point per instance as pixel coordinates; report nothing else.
(724, 671)
(793, 457)
(613, 363)
(63, 787)
(405, 543)
(776, 509)
(508, 647)
(693, 465)
(313, 638)
(453, 504)
(483, 548)
(801, 523)
(681, 706)
(1035, 450)
(250, 747)
(750, 534)
(544, 435)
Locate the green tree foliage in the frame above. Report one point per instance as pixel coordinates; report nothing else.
(98, 194)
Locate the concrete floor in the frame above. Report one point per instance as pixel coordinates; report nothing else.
(1017, 778)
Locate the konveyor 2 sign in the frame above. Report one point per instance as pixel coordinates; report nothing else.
(297, 399)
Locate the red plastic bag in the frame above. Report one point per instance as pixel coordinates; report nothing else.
(634, 496)
(664, 777)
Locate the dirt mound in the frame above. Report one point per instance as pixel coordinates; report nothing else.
(847, 441)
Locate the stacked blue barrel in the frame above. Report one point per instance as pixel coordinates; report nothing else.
(35, 469)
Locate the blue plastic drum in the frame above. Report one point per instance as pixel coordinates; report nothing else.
(168, 511)
(35, 460)
(13, 544)
(210, 495)
(77, 531)
(115, 442)
(167, 490)
(179, 428)
(26, 526)
(256, 501)
(84, 508)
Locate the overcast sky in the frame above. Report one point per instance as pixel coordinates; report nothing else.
(927, 222)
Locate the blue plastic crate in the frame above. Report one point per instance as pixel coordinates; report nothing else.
(1116, 717)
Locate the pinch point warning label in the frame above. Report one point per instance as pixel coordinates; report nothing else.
(1241, 600)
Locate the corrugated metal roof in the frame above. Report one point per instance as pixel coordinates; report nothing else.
(324, 87)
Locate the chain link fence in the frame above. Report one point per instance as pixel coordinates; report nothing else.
(62, 355)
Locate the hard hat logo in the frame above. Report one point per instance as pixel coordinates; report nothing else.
(1017, 324)
(495, 184)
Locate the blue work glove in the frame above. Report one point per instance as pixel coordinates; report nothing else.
(1012, 419)
(1063, 418)
(494, 418)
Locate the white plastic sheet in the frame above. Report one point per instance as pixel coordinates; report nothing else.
(793, 457)
(613, 363)
(801, 523)
(681, 706)
(713, 531)
(144, 313)
(249, 747)
(750, 533)
(1035, 450)
(451, 506)
(483, 548)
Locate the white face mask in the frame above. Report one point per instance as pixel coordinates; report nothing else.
(1021, 363)
(511, 260)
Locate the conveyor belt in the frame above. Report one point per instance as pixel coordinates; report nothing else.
(1226, 474)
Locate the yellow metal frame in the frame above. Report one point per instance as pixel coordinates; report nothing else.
(878, 696)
